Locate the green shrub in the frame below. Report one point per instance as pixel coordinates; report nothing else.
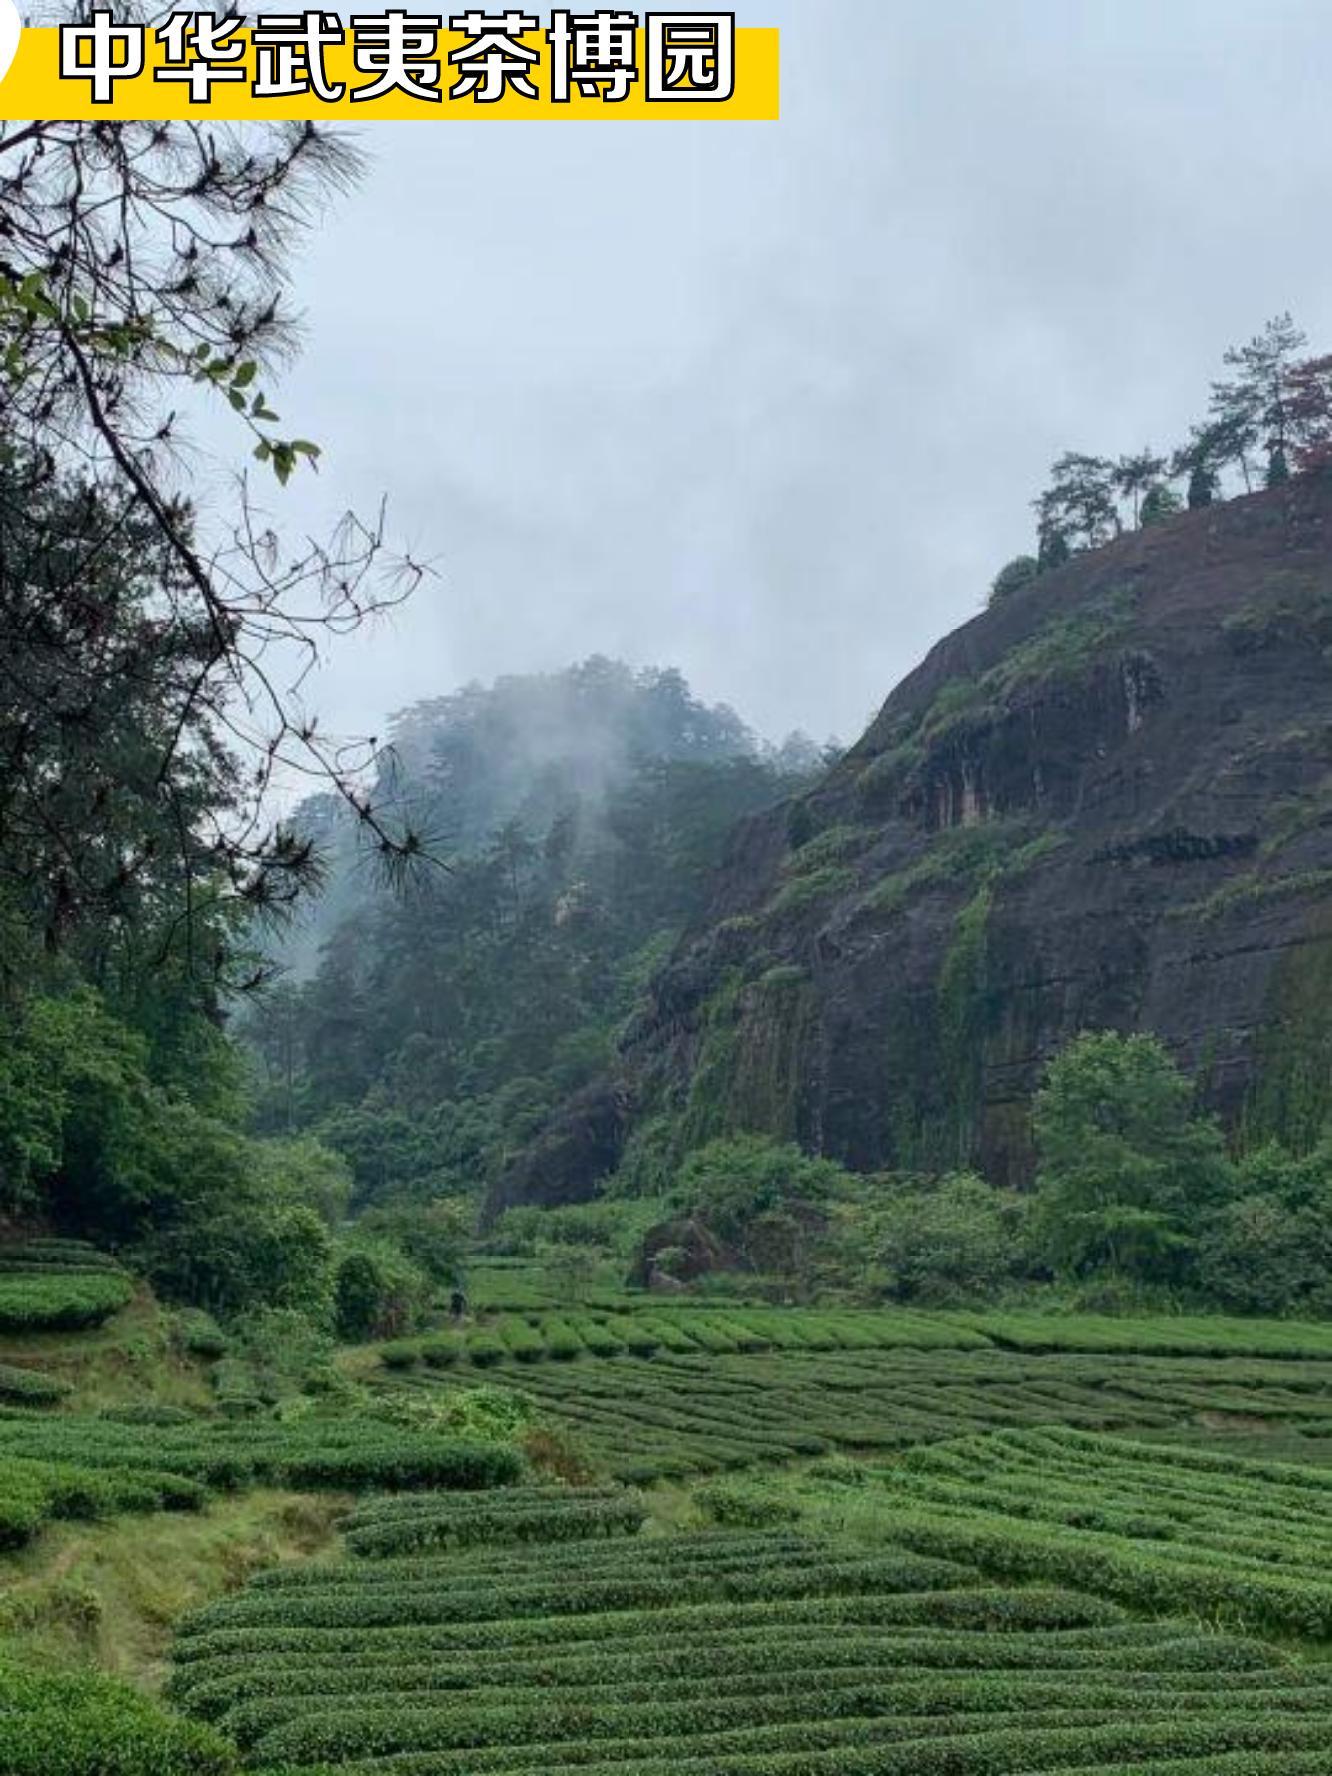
(483, 1348)
(29, 1387)
(402, 1353)
(61, 1300)
(90, 1726)
(737, 1506)
(563, 1341)
(377, 1292)
(1014, 577)
(441, 1349)
(199, 1335)
(946, 1239)
(520, 1340)
(1125, 1167)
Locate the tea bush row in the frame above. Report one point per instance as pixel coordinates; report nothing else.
(440, 1599)
(1068, 1740)
(34, 1493)
(679, 1417)
(519, 1514)
(49, 1255)
(726, 1331)
(1161, 1335)
(335, 1453)
(210, 1688)
(29, 1387)
(993, 1610)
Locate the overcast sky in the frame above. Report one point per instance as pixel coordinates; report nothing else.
(769, 401)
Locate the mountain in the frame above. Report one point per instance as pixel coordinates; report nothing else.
(1103, 803)
(524, 750)
(428, 1028)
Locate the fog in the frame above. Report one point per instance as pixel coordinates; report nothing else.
(769, 402)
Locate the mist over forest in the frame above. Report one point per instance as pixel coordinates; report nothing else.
(427, 1023)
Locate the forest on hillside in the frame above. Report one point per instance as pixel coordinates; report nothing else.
(577, 819)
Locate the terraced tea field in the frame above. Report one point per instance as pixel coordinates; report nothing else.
(1027, 1567)
(675, 1416)
(1153, 1527)
(416, 1525)
(730, 1655)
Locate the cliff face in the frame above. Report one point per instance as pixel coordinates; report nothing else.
(1105, 804)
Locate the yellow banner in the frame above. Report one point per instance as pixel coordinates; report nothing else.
(661, 69)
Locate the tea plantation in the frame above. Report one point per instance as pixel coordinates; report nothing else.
(952, 1544)
(678, 1416)
(748, 1653)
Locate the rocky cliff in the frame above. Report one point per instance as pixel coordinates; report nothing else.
(1105, 803)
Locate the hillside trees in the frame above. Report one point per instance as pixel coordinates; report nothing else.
(439, 1027)
(142, 266)
(1133, 1182)
(1079, 504)
(1309, 414)
(1275, 405)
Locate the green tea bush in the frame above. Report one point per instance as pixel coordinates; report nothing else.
(90, 1726)
(520, 1340)
(736, 1505)
(34, 1493)
(440, 1350)
(199, 1335)
(401, 1353)
(338, 1453)
(61, 1300)
(596, 1336)
(483, 1348)
(29, 1387)
(562, 1340)
(148, 1412)
(1156, 1527)
(55, 1254)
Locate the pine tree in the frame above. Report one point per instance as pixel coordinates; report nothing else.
(1080, 500)
(1134, 476)
(1253, 408)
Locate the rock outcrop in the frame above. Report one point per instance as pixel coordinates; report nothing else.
(1105, 803)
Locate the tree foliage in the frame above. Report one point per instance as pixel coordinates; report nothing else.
(953, 1238)
(141, 724)
(1125, 1166)
(1012, 577)
(766, 1201)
